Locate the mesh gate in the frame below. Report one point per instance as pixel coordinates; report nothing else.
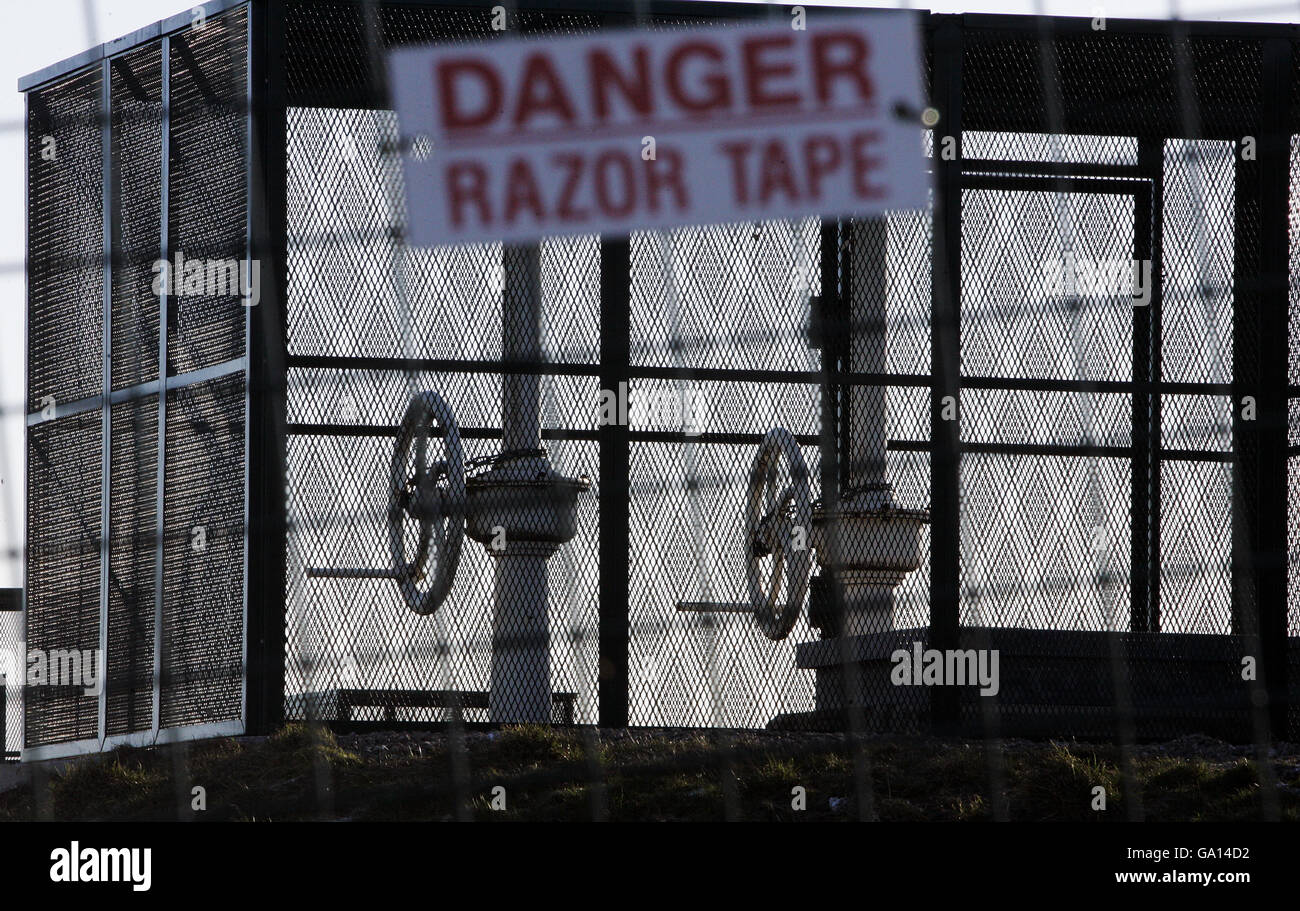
(1098, 506)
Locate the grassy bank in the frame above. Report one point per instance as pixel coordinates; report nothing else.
(308, 773)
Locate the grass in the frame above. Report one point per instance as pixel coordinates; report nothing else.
(304, 773)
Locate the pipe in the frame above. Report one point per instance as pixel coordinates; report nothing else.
(520, 678)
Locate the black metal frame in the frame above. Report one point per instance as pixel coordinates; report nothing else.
(1259, 457)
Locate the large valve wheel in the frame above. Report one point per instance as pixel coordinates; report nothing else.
(778, 533)
(426, 502)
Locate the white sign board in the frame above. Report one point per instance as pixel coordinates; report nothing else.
(513, 139)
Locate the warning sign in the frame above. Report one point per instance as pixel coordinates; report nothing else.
(514, 139)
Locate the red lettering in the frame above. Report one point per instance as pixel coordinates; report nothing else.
(665, 173)
(448, 72)
(757, 72)
(775, 173)
(572, 165)
(736, 152)
(466, 182)
(853, 67)
(719, 90)
(522, 192)
(864, 164)
(606, 76)
(541, 91)
(603, 195)
(821, 156)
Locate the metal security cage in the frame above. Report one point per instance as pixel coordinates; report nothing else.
(1100, 491)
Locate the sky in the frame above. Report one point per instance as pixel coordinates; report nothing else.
(33, 35)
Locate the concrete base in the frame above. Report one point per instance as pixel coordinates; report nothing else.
(1051, 683)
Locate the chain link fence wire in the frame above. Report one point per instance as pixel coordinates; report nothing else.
(1113, 502)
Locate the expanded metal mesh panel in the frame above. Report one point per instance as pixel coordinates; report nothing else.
(700, 669)
(359, 634)
(208, 192)
(1045, 542)
(1085, 154)
(1045, 280)
(1195, 548)
(1293, 379)
(1045, 536)
(346, 214)
(1198, 261)
(63, 576)
(12, 690)
(889, 292)
(730, 296)
(65, 241)
(132, 517)
(137, 176)
(1107, 83)
(203, 554)
(345, 207)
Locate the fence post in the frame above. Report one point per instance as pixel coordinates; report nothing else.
(1144, 544)
(615, 498)
(945, 365)
(1262, 466)
(267, 529)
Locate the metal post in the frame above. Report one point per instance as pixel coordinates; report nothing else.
(1270, 499)
(1245, 382)
(267, 529)
(829, 314)
(1144, 610)
(615, 502)
(945, 436)
(106, 411)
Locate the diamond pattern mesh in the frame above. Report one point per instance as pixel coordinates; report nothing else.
(132, 515)
(1098, 462)
(63, 569)
(65, 246)
(203, 554)
(79, 592)
(208, 188)
(137, 155)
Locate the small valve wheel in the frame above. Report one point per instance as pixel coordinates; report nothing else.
(426, 502)
(778, 533)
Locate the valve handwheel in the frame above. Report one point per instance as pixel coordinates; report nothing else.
(778, 533)
(426, 502)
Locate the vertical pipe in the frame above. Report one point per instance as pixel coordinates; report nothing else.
(520, 684)
(521, 342)
(867, 354)
(520, 687)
